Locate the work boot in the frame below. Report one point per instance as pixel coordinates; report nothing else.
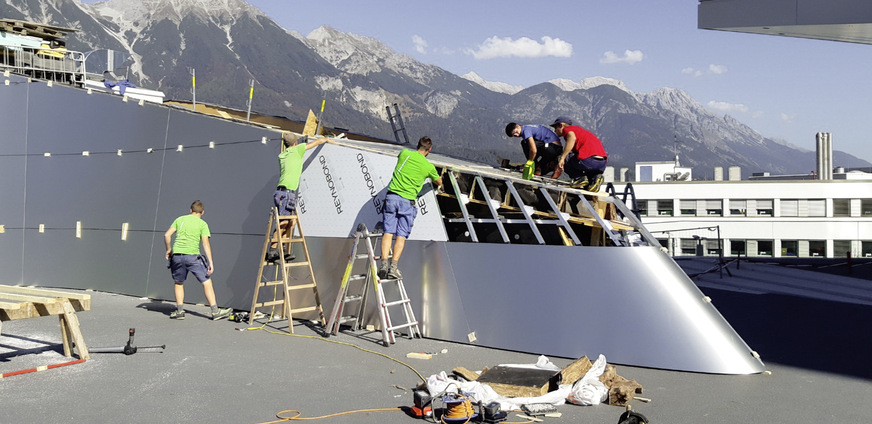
(383, 270)
(597, 182)
(580, 183)
(290, 257)
(177, 314)
(222, 313)
(394, 273)
(272, 255)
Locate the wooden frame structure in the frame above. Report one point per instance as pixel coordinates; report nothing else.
(25, 302)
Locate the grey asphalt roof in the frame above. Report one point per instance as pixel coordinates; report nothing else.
(212, 373)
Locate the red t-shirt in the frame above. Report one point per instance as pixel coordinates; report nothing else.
(586, 144)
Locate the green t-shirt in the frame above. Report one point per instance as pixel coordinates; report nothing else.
(291, 164)
(409, 175)
(189, 230)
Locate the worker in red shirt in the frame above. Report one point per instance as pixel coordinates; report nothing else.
(584, 158)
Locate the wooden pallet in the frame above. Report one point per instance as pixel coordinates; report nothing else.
(25, 302)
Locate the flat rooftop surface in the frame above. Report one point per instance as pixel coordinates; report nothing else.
(212, 373)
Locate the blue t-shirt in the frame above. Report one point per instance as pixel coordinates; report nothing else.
(541, 134)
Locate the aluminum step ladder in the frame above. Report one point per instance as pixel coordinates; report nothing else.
(397, 124)
(382, 287)
(281, 271)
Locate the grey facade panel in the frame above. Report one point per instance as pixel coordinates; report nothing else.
(845, 20)
(719, 14)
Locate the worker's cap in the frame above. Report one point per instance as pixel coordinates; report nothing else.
(291, 138)
(561, 120)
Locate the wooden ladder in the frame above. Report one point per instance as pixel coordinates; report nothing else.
(282, 270)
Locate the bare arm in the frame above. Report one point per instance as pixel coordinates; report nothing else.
(570, 143)
(532, 151)
(168, 240)
(317, 142)
(208, 249)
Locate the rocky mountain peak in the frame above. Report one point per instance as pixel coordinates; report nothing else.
(499, 87)
(173, 9)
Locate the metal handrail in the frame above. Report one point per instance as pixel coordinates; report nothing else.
(60, 65)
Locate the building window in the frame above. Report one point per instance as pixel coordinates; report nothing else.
(764, 247)
(738, 207)
(688, 247)
(688, 207)
(737, 247)
(866, 248)
(789, 207)
(817, 248)
(841, 207)
(642, 205)
(764, 207)
(664, 207)
(789, 247)
(714, 207)
(817, 207)
(712, 247)
(866, 207)
(842, 248)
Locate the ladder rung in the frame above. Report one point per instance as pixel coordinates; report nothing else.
(362, 256)
(396, 327)
(307, 309)
(397, 302)
(286, 217)
(357, 277)
(295, 263)
(301, 286)
(352, 298)
(295, 239)
(269, 303)
(271, 283)
(347, 318)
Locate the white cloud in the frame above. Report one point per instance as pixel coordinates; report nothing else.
(712, 70)
(727, 107)
(420, 44)
(717, 69)
(495, 47)
(691, 71)
(630, 57)
(787, 117)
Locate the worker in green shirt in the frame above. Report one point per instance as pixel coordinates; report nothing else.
(399, 210)
(291, 168)
(184, 256)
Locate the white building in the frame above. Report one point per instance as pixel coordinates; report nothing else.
(762, 218)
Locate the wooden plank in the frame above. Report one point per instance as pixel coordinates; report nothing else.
(9, 305)
(43, 292)
(465, 373)
(75, 331)
(31, 310)
(28, 298)
(80, 301)
(574, 371)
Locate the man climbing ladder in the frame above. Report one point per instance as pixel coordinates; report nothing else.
(291, 166)
(399, 210)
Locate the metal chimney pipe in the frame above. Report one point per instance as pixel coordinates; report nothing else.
(819, 150)
(829, 153)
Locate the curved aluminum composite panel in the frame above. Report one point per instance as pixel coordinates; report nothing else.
(634, 305)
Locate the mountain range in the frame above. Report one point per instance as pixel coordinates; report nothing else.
(228, 43)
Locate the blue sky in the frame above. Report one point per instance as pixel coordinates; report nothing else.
(785, 88)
